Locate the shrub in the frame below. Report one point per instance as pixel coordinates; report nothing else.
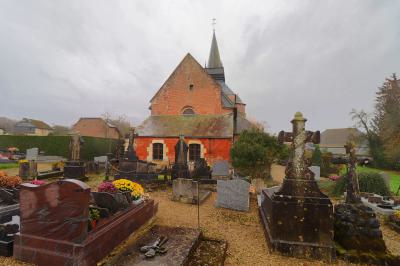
(369, 182)
(327, 167)
(316, 158)
(107, 187)
(10, 181)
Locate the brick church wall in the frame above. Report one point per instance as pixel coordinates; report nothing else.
(212, 149)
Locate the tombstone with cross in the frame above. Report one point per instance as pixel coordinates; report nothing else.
(297, 216)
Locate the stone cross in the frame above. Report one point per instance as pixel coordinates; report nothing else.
(353, 190)
(299, 137)
(75, 147)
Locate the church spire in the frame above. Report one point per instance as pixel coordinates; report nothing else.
(214, 60)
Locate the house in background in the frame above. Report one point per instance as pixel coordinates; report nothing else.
(95, 127)
(196, 102)
(32, 127)
(2, 131)
(333, 141)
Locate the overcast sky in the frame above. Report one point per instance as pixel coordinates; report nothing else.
(61, 60)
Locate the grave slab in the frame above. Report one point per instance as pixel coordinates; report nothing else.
(185, 191)
(181, 244)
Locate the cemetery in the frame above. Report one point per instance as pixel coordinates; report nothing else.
(119, 218)
(198, 180)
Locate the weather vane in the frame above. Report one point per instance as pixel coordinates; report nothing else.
(214, 22)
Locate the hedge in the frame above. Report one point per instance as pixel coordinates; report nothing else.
(58, 145)
(368, 182)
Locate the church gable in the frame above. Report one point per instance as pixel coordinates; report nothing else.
(189, 90)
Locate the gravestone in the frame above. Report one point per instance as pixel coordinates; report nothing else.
(317, 172)
(220, 170)
(233, 194)
(298, 218)
(180, 168)
(74, 168)
(54, 225)
(201, 170)
(356, 225)
(185, 190)
(32, 154)
(130, 167)
(57, 211)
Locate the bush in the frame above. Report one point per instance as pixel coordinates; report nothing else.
(254, 152)
(369, 182)
(327, 167)
(316, 158)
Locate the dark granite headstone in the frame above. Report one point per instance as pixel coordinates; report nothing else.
(233, 194)
(201, 169)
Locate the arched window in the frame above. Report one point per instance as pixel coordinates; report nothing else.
(188, 111)
(194, 152)
(158, 151)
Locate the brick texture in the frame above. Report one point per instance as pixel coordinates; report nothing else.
(204, 96)
(95, 127)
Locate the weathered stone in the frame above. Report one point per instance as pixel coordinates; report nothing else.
(185, 190)
(233, 194)
(298, 218)
(32, 154)
(220, 170)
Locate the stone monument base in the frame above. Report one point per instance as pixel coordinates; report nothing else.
(358, 236)
(180, 171)
(298, 226)
(75, 170)
(98, 243)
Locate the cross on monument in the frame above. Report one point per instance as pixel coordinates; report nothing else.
(299, 137)
(353, 190)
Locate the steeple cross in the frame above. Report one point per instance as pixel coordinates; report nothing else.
(213, 23)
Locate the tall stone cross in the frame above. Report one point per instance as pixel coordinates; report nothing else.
(353, 190)
(297, 167)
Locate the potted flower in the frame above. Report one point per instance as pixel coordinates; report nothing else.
(94, 216)
(134, 190)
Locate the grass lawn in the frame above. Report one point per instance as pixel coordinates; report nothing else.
(394, 180)
(8, 165)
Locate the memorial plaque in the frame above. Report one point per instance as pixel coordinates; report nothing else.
(32, 154)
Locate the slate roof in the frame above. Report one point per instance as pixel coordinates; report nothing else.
(206, 126)
(38, 124)
(337, 137)
(214, 60)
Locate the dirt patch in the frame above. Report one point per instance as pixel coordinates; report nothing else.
(209, 252)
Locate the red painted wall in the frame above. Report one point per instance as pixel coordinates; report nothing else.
(216, 149)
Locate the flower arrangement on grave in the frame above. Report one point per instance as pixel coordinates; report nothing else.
(38, 182)
(107, 187)
(9, 181)
(94, 216)
(126, 185)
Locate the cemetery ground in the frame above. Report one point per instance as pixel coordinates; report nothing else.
(242, 230)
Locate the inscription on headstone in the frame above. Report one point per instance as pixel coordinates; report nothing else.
(233, 194)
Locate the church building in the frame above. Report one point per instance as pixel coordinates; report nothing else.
(197, 103)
